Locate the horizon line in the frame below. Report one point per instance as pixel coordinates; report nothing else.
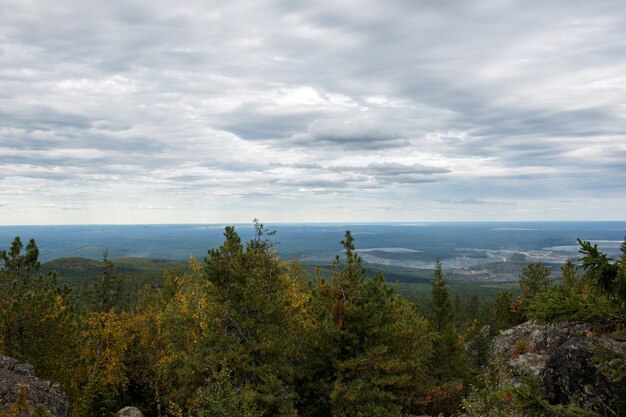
(408, 222)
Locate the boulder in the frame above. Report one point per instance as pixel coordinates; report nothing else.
(563, 357)
(571, 373)
(14, 375)
(539, 339)
(129, 412)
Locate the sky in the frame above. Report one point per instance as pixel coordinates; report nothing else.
(367, 111)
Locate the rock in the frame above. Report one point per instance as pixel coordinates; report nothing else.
(561, 356)
(14, 374)
(129, 412)
(571, 373)
(540, 339)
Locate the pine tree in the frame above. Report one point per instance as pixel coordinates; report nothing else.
(35, 322)
(440, 312)
(533, 279)
(502, 314)
(369, 348)
(108, 290)
(447, 364)
(255, 316)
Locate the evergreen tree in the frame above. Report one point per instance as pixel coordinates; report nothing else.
(533, 279)
(607, 275)
(255, 310)
(502, 313)
(447, 364)
(108, 290)
(459, 319)
(440, 312)
(369, 349)
(35, 321)
(570, 278)
(473, 309)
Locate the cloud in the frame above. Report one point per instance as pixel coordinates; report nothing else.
(350, 134)
(311, 107)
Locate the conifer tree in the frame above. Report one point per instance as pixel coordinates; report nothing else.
(533, 279)
(502, 314)
(447, 365)
(35, 324)
(255, 313)
(569, 274)
(370, 349)
(440, 312)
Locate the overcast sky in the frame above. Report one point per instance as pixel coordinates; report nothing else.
(197, 111)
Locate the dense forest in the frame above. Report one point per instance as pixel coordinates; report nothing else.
(244, 333)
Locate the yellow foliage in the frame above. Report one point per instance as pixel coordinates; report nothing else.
(106, 341)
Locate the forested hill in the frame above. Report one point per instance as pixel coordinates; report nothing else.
(74, 270)
(80, 273)
(242, 332)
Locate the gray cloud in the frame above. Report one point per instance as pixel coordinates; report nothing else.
(350, 134)
(203, 105)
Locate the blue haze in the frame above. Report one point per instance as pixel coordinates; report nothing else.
(413, 245)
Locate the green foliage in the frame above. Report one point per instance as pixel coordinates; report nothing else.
(477, 346)
(96, 398)
(35, 320)
(502, 313)
(561, 303)
(255, 317)
(369, 349)
(533, 279)
(447, 365)
(441, 314)
(107, 291)
(220, 398)
(495, 395)
(606, 274)
(610, 363)
(244, 333)
(575, 298)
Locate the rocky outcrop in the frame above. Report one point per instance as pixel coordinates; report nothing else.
(564, 358)
(129, 412)
(572, 372)
(14, 375)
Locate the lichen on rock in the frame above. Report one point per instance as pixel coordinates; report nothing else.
(15, 376)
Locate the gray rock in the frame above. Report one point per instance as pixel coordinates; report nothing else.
(571, 373)
(540, 339)
(14, 374)
(561, 356)
(129, 412)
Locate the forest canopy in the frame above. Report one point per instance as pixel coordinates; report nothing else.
(243, 332)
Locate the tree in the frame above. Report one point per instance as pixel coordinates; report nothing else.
(533, 279)
(502, 313)
(440, 312)
(255, 317)
(108, 290)
(35, 324)
(369, 350)
(570, 278)
(447, 364)
(607, 275)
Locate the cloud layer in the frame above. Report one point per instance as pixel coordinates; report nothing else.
(147, 112)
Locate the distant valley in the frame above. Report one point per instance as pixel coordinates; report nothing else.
(490, 251)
